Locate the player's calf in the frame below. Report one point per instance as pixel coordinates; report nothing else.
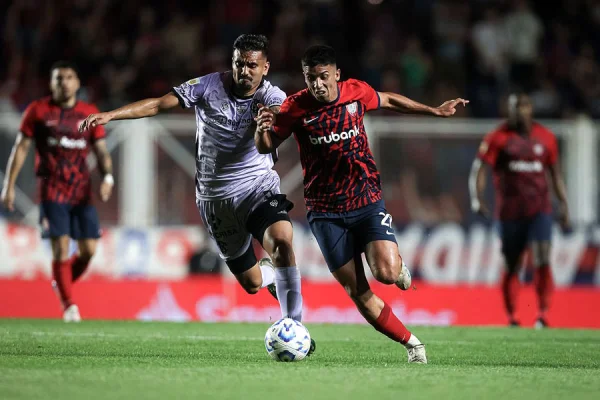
(277, 241)
(247, 272)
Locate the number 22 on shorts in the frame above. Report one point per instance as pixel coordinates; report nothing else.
(387, 221)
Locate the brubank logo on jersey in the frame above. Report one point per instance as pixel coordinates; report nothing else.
(525, 166)
(335, 137)
(67, 143)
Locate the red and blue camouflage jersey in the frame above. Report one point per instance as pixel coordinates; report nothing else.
(339, 170)
(61, 150)
(519, 166)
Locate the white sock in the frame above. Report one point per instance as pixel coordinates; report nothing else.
(268, 275)
(288, 285)
(412, 342)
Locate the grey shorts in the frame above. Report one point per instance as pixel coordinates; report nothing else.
(232, 222)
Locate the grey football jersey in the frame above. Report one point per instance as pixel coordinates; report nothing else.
(227, 162)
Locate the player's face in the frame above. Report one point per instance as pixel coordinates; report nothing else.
(248, 68)
(521, 108)
(64, 84)
(321, 81)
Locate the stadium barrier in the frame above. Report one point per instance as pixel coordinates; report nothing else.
(213, 298)
(444, 254)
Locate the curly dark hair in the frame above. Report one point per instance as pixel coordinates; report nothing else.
(252, 42)
(318, 55)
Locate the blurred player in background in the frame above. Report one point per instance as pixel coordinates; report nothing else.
(65, 189)
(522, 155)
(237, 190)
(342, 188)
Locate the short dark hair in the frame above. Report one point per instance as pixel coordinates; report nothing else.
(64, 64)
(319, 55)
(252, 42)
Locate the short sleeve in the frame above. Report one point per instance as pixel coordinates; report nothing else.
(191, 92)
(489, 149)
(366, 94)
(274, 97)
(98, 132)
(27, 127)
(285, 120)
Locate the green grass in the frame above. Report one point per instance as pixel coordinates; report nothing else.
(44, 359)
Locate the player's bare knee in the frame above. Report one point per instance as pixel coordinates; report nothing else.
(85, 256)
(283, 253)
(61, 254)
(386, 268)
(542, 260)
(251, 286)
(385, 276)
(387, 272)
(251, 289)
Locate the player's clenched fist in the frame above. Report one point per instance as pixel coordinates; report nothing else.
(94, 120)
(265, 118)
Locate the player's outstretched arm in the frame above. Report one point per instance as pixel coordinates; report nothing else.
(15, 163)
(397, 102)
(560, 189)
(139, 109)
(477, 184)
(264, 140)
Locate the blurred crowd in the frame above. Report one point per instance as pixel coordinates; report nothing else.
(427, 49)
(430, 50)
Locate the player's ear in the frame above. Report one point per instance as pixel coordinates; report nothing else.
(266, 70)
(337, 75)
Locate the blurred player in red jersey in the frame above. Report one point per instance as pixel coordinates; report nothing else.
(65, 191)
(342, 189)
(521, 152)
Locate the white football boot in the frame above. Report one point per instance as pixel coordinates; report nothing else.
(417, 354)
(71, 314)
(405, 279)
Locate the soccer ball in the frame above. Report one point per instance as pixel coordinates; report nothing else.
(287, 340)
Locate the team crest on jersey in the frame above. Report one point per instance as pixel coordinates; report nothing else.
(538, 149)
(193, 81)
(352, 108)
(224, 106)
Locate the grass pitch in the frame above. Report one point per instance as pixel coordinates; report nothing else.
(47, 359)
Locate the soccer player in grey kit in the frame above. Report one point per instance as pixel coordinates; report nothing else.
(237, 190)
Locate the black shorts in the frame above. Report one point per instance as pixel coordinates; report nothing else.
(274, 209)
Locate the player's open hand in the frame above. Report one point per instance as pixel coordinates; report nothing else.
(8, 198)
(448, 109)
(94, 120)
(265, 118)
(105, 191)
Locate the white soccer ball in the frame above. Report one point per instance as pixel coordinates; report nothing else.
(287, 340)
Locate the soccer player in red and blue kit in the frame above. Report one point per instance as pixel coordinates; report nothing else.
(522, 154)
(342, 188)
(66, 209)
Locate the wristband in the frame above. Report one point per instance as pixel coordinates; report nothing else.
(108, 178)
